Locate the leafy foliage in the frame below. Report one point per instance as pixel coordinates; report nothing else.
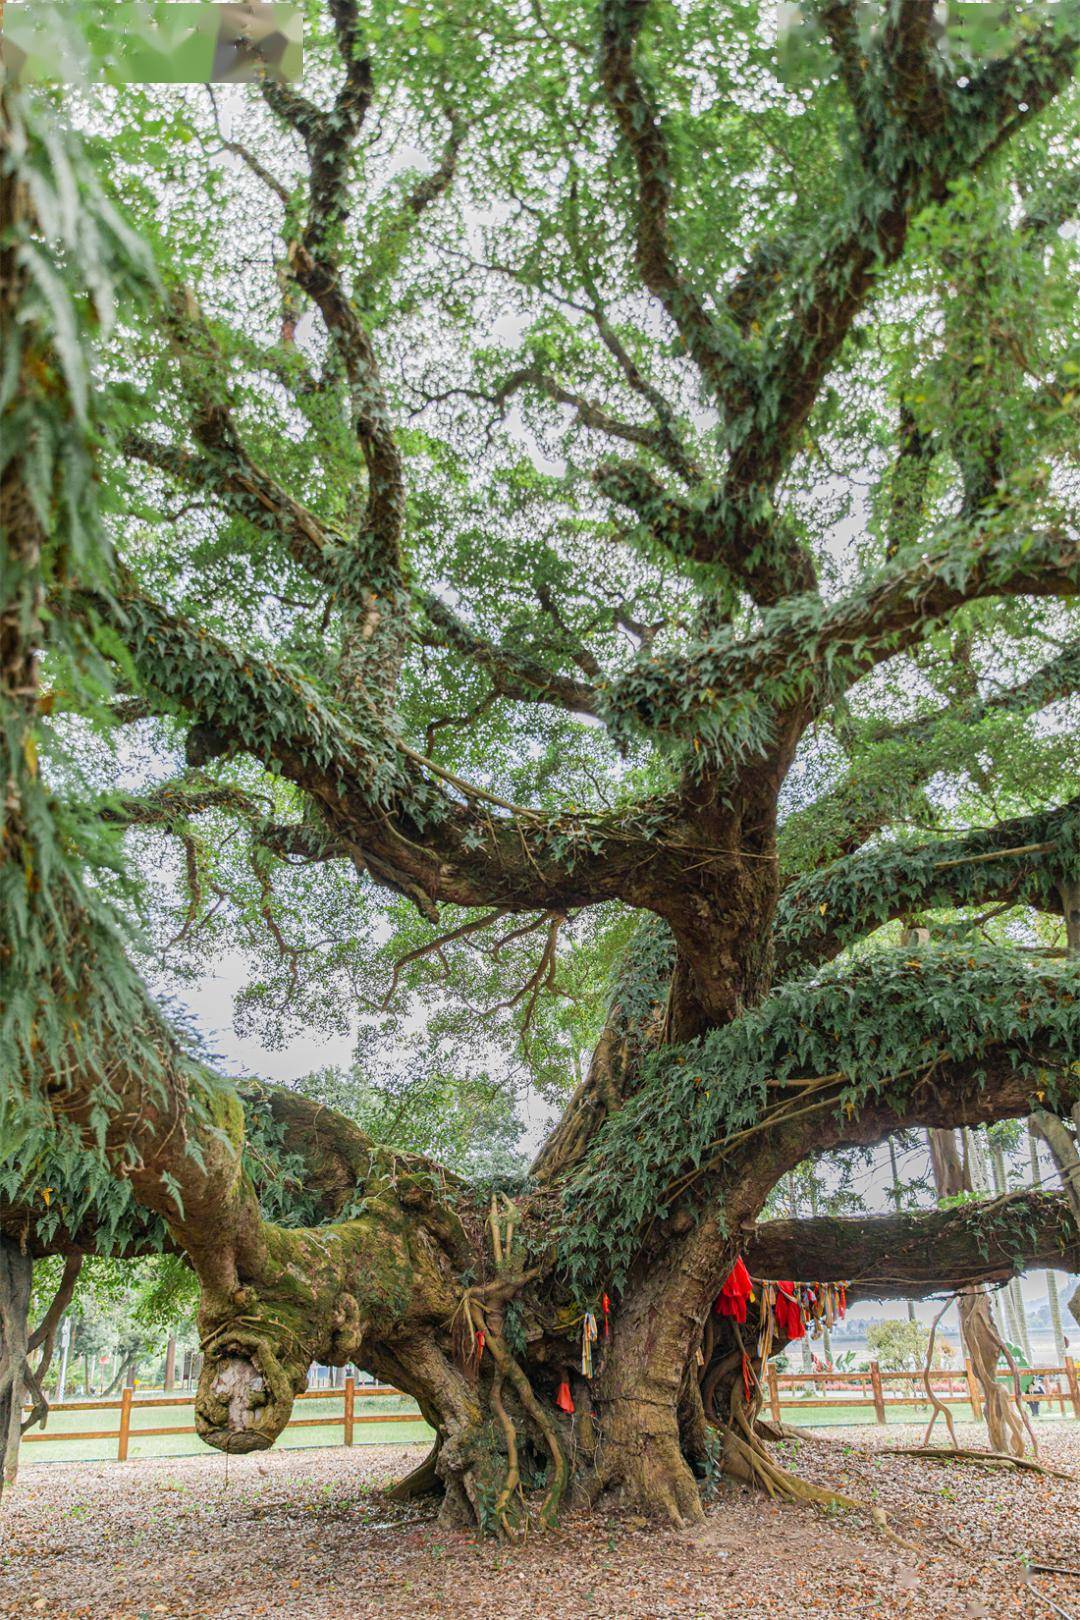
(520, 480)
(69, 989)
(875, 1030)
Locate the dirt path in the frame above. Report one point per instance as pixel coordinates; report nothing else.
(304, 1536)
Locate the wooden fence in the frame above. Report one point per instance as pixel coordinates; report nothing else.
(871, 1387)
(129, 1402)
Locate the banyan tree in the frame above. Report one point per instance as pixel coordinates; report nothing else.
(574, 503)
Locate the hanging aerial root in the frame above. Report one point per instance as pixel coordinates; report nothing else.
(1018, 1399)
(988, 1459)
(561, 1468)
(512, 1484)
(937, 1404)
(746, 1458)
(508, 1370)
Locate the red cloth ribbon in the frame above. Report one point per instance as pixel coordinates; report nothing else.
(747, 1378)
(564, 1400)
(735, 1294)
(480, 1342)
(605, 1306)
(788, 1315)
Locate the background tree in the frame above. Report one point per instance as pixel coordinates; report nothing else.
(563, 463)
(900, 1345)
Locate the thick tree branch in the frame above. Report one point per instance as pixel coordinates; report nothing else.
(383, 256)
(321, 551)
(961, 132)
(674, 452)
(229, 473)
(170, 804)
(1021, 862)
(807, 650)
(840, 20)
(372, 565)
(271, 1299)
(712, 340)
(413, 825)
(916, 98)
(514, 674)
(1003, 1081)
(921, 1252)
(938, 133)
(754, 551)
(329, 136)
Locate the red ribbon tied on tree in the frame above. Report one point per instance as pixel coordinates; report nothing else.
(563, 1399)
(736, 1293)
(789, 1320)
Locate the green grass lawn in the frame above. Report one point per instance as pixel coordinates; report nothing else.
(187, 1445)
(372, 1434)
(821, 1417)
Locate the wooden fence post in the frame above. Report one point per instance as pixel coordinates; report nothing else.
(350, 1396)
(774, 1392)
(125, 1423)
(1074, 1385)
(974, 1395)
(879, 1397)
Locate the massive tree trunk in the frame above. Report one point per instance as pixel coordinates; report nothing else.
(387, 1288)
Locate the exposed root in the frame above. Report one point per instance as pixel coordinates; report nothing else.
(989, 1459)
(768, 1430)
(1056, 1607)
(512, 1483)
(938, 1405)
(422, 1481)
(745, 1458)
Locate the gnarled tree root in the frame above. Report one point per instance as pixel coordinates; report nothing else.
(769, 1430)
(510, 1372)
(965, 1454)
(745, 1458)
(422, 1481)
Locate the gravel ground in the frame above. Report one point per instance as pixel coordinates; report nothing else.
(301, 1536)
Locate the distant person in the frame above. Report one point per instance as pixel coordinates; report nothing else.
(1037, 1388)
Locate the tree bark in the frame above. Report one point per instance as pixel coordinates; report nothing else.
(16, 1277)
(1062, 1142)
(897, 1205)
(976, 1321)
